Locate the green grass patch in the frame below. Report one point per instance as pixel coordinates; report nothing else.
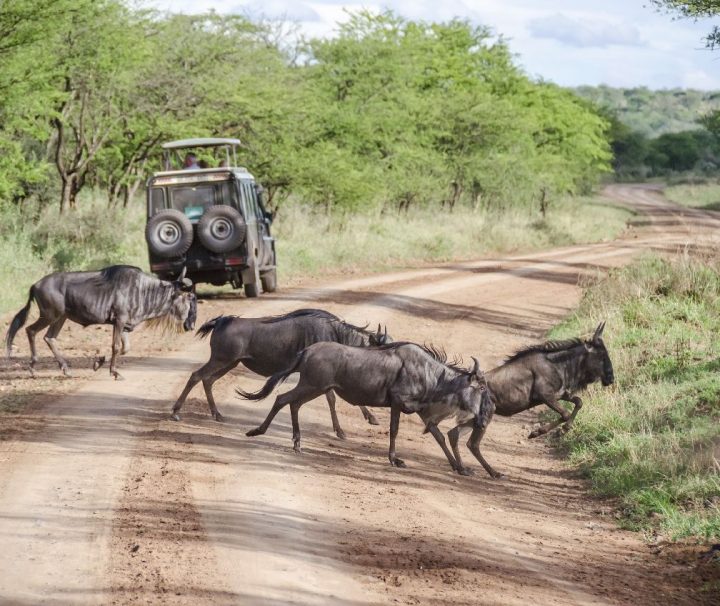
(654, 441)
(705, 196)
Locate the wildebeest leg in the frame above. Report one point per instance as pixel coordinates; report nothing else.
(395, 409)
(116, 346)
(330, 395)
(578, 405)
(125, 336)
(50, 337)
(440, 439)
(31, 331)
(474, 445)
(208, 382)
(99, 361)
(454, 435)
(294, 408)
(299, 394)
(565, 417)
(211, 371)
(369, 417)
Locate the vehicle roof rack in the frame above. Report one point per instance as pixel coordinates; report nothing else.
(199, 142)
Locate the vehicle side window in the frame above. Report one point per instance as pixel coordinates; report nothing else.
(157, 200)
(249, 202)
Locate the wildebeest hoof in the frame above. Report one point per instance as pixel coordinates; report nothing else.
(175, 416)
(496, 475)
(118, 376)
(219, 418)
(398, 463)
(254, 432)
(98, 362)
(372, 420)
(297, 450)
(466, 471)
(341, 435)
(535, 433)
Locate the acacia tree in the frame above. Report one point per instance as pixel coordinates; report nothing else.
(97, 59)
(26, 91)
(695, 9)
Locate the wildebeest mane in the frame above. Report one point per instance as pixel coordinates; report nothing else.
(546, 347)
(436, 353)
(315, 313)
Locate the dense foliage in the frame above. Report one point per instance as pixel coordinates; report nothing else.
(389, 113)
(653, 112)
(659, 133)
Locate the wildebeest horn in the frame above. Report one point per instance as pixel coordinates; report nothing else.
(599, 330)
(476, 367)
(379, 330)
(385, 335)
(181, 277)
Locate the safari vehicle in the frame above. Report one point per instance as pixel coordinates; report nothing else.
(205, 213)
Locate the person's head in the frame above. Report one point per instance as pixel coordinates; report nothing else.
(190, 161)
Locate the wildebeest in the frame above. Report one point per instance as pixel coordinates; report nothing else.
(120, 295)
(543, 374)
(405, 377)
(269, 345)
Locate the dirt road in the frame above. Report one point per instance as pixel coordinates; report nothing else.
(104, 500)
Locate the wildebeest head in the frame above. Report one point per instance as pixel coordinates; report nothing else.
(380, 337)
(598, 363)
(472, 390)
(184, 302)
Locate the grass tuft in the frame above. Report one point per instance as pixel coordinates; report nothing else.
(654, 441)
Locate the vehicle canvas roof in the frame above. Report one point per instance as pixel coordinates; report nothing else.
(200, 142)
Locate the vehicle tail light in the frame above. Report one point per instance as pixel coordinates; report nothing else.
(234, 261)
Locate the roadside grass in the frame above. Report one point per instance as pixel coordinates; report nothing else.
(654, 441)
(705, 196)
(310, 243)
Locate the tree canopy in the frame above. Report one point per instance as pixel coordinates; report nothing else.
(389, 113)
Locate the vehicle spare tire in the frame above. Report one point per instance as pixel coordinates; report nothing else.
(169, 233)
(221, 229)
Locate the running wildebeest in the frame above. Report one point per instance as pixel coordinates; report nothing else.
(402, 376)
(120, 295)
(269, 345)
(543, 374)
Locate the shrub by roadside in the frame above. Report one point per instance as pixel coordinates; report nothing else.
(654, 442)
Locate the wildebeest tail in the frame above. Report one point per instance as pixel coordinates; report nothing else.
(273, 381)
(18, 322)
(209, 326)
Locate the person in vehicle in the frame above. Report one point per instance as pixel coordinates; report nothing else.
(190, 162)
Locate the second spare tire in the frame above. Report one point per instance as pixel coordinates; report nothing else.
(169, 233)
(221, 229)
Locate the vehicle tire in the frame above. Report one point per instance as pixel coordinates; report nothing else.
(269, 280)
(251, 290)
(221, 229)
(169, 233)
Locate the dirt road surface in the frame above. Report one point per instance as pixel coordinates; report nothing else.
(104, 500)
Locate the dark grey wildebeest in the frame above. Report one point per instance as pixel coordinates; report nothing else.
(120, 295)
(270, 345)
(543, 374)
(404, 377)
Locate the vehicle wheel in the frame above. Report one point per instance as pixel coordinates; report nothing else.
(251, 290)
(269, 280)
(169, 233)
(221, 229)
